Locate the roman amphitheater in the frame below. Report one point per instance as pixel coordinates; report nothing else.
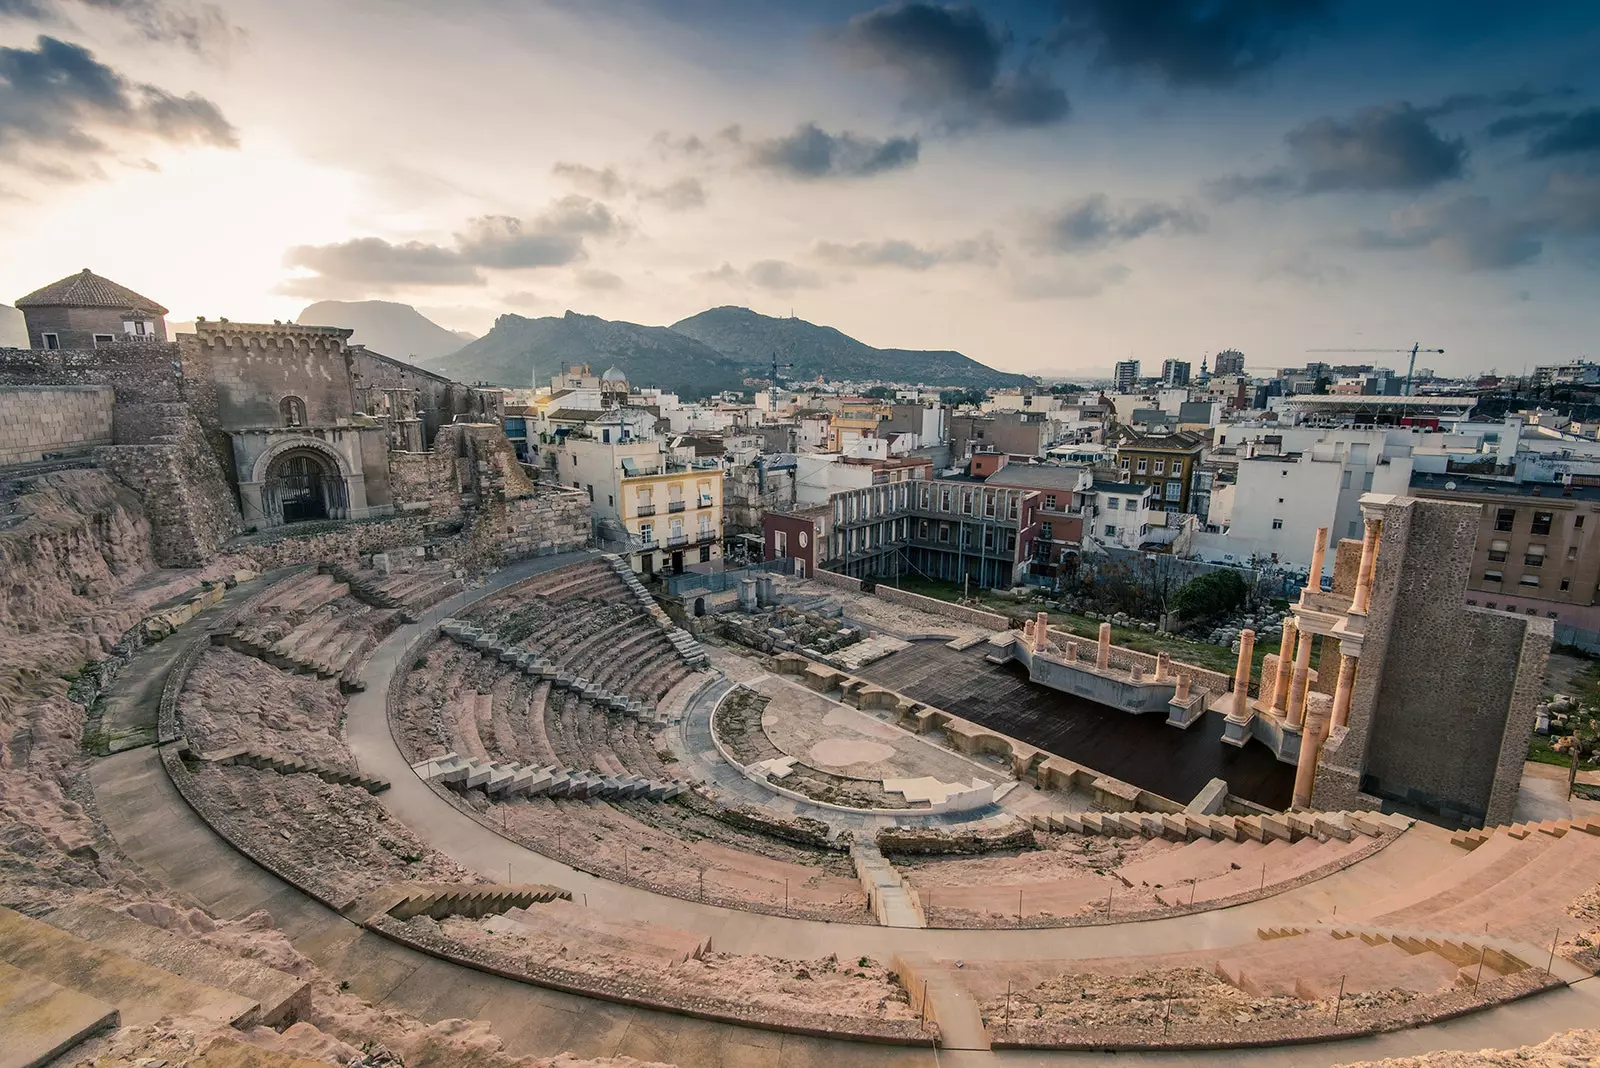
(451, 787)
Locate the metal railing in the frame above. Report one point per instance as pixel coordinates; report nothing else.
(675, 506)
(646, 509)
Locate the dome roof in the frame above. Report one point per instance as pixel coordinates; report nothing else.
(614, 374)
(88, 290)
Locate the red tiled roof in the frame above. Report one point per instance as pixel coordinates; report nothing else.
(88, 290)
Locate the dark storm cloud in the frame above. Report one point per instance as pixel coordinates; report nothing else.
(1571, 202)
(1577, 134)
(1392, 147)
(1213, 43)
(57, 96)
(811, 152)
(1093, 222)
(554, 238)
(950, 60)
(907, 254)
(1513, 125)
(1467, 232)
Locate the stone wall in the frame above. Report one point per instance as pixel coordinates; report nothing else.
(972, 616)
(42, 422)
(311, 543)
(499, 532)
(837, 581)
(186, 496)
(1437, 721)
(138, 371)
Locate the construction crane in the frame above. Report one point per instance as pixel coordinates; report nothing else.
(1411, 367)
(776, 367)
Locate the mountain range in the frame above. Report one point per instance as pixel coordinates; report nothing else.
(706, 353)
(397, 330)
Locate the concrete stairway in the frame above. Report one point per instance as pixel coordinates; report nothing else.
(536, 666)
(691, 651)
(405, 900)
(1186, 826)
(44, 963)
(894, 903)
(286, 766)
(280, 997)
(365, 591)
(1554, 828)
(584, 932)
(505, 779)
(1314, 966)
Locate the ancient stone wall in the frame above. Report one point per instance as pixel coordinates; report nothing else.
(187, 499)
(251, 368)
(42, 422)
(138, 371)
(422, 481)
(439, 400)
(345, 542)
(977, 618)
(500, 531)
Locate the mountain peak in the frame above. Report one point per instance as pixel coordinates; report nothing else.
(385, 326)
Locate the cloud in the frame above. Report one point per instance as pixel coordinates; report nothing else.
(1211, 43)
(1302, 267)
(375, 265)
(57, 95)
(1576, 135)
(599, 280)
(908, 255)
(1467, 233)
(1066, 285)
(201, 28)
(1571, 202)
(551, 239)
(1512, 125)
(1093, 222)
(554, 238)
(1509, 98)
(600, 182)
(811, 152)
(685, 194)
(949, 60)
(1391, 147)
(779, 276)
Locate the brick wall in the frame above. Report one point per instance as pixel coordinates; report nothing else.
(38, 421)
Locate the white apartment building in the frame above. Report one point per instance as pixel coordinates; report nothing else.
(1121, 515)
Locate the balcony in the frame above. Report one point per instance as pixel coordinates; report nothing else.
(152, 338)
(679, 541)
(675, 506)
(705, 502)
(646, 509)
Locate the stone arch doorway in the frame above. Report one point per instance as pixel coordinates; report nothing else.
(303, 485)
(699, 606)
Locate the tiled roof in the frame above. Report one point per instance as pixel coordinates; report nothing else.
(88, 290)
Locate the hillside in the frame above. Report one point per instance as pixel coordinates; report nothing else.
(754, 339)
(516, 347)
(397, 330)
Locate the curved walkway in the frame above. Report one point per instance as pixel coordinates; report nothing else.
(153, 825)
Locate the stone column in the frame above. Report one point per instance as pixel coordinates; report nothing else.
(1369, 564)
(1316, 732)
(1280, 688)
(1182, 693)
(1301, 681)
(1163, 667)
(1041, 632)
(1241, 676)
(1318, 552)
(1341, 692)
(1069, 652)
(1102, 658)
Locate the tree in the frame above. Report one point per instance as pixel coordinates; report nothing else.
(1210, 594)
(880, 393)
(955, 398)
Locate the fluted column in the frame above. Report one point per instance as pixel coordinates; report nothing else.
(1241, 676)
(1341, 691)
(1280, 686)
(1318, 553)
(1102, 658)
(1301, 682)
(1369, 564)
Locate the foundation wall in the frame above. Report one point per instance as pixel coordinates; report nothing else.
(41, 422)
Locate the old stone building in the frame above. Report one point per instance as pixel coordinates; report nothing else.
(85, 311)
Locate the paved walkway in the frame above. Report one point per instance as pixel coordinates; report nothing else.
(158, 830)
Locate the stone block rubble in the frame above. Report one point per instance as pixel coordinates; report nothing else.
(501, 779)
(691, 651)
(532, 664)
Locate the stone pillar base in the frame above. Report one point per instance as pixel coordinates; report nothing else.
(1236, 731)
(1186, 713)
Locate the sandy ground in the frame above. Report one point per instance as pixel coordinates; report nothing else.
(862, 988)
(1570, 1050)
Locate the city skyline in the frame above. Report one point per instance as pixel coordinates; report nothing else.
(1046, 194)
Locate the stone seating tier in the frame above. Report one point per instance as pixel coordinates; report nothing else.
(507, 779)
(582, 932)
(536, 666)
(242, 757)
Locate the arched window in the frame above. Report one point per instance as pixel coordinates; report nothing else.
(293, 411)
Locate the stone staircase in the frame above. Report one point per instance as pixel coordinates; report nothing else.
(405, 900)
(242, 642)
(536, 666)
(690, 651)
(84, 969)
(365, 591)
(1188, 826)
(504, 779)
(894, 903)
(1470, 840)
(285, 766)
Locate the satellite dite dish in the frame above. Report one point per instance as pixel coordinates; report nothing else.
(1449, 485)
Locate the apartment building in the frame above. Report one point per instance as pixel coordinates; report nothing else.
(1537, 552)
(1164, 462)
(1120, 514)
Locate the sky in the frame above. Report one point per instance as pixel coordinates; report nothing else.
(1048, 186)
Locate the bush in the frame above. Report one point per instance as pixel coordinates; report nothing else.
(1210, 594)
